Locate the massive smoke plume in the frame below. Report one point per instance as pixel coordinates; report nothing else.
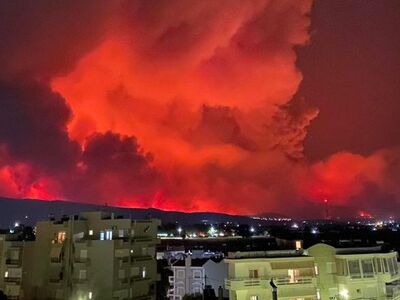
(178, 104)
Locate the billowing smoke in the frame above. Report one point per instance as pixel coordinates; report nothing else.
(172, 104)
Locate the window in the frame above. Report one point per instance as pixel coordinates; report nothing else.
(102, 235)
(253, 273)
(109, 235)
(254, 297)
(396, 266)
(316, 269)
(83, 254)
(121, 274)
(90, 232)
(6, 274)
(293, 275)
(144, 272)
(298, 245)
(134, 271)
(331, 267)
(354, 268)
(90, 295)
(61, 236)
(367, 267)
(180, 273)
(318, 294)
(121, 233)
(196, 274)
(82, 274)
(393, 267)
(378, 265)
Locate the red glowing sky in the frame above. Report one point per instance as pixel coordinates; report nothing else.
(230, 106)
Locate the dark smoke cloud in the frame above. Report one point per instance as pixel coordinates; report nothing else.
(33, 126)
(40, 38)
(111, 167)
(205, 86)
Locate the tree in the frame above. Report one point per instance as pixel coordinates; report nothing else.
(3, 296)
(196, 296)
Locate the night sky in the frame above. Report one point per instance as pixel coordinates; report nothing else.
(227, 106)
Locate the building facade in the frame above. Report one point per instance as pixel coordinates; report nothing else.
(91, 256)
(356, 273)
(250, 275)
(191, 276)
(11, 259)
(321, 272)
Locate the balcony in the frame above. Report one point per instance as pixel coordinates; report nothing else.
(82, 261)
(281, 282)
(13, 262)
(15, 280)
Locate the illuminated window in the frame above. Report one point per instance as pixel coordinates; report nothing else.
(6, 274)
(298, 245)
(109, 235)
(144, 272)
(318, 294)
(254, 297)
(101, 235)
(90, 232)
(121, 233)
(61, 236)
(90, 295)
(293, 275)
(316, 269)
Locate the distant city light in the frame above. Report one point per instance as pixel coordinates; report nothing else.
(179, 230)
(295, 226)
(252, 229)
(16, 224)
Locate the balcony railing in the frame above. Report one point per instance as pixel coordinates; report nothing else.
(13, 262)
(243, 283)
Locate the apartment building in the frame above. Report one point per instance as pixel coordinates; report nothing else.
(356, 273)
(11, 258)
(191, 276)
(321, 272)
(91, 256)
(250, 275)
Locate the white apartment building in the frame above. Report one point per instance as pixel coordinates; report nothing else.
(320, 272)
(190, 276)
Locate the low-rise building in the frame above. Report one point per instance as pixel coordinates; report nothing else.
(321, 272)
(191, 276)
(356, 273)
(252, 275)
